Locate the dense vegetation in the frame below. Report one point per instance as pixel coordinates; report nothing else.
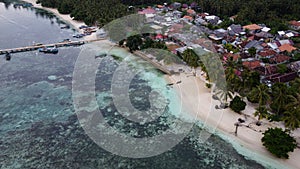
(91, 12)
(191, 58)
(273, 13)
(252, 10)
(137, 42)
(278, 142)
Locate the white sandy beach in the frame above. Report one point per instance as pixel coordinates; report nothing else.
(198, 101)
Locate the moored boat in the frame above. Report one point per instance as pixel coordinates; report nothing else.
(24, 5)
(52, 50)
(65, 27)
(8, 56)
(101, 56)
(78, 35)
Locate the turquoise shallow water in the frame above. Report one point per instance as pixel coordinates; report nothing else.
(38, 125)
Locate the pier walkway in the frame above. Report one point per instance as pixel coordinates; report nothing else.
(36, 47)
(155, 64)
(77, 43)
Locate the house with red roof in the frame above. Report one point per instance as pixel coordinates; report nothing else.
(188, 18)
(172, 48)
(267, 70)
(282, 77)
(191, 12)
(252, 27)
(287, 47)
(234, 57)
(148, 10)
(202, 15)
(295, 25)
(267, 53)
(160, 37)
(207, 44)
(252, 64)
(250, 38)
(279, 58)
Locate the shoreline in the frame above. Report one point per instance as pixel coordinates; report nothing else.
(64, 17)
(223, 120)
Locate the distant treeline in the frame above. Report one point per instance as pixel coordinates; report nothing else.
(267, 11)
(90, 11)
(270, 12)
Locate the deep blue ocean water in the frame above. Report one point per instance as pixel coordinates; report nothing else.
(38, 125)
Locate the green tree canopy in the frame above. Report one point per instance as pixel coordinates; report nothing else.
(134, 42)
(250, 79)
(191, 58)
(149, 43)
(278, 142)
(280, 93)
(295, 86)
(282, 68)
(252, 51)
(90, 11)
(259, 94)
(261, 112)
(237, 104)
(291, 118)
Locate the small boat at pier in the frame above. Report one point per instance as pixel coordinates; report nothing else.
(8, 56)
(65, 27)
(24, 5)
(78, 36)
(52, 50)
(101, 56)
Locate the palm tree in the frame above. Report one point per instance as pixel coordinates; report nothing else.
(295, 85)
(280, 97)
(291, 118)
(260, 94)
(294, 101)
(250, 80)
(263, 94)
(296, 82)
(191, 58)
(261, 112)
(233, 81)
(224, 95)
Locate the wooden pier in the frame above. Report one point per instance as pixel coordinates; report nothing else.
(36, 47)
(155, 64)
(78, 43)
